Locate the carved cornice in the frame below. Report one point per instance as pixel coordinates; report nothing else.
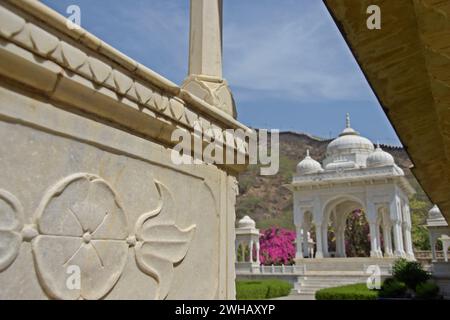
(76, 69)
(366, 176)
(335, 176)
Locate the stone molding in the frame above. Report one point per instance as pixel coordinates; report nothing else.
(351, 177)
(77, 69)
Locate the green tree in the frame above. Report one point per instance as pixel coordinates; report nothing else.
(419, 232)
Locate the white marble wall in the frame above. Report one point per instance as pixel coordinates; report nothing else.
(87, 179)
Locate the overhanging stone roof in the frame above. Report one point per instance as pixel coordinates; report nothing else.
(407, 64)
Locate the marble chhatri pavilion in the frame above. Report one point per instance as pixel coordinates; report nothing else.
(354, 175)
(407, 64)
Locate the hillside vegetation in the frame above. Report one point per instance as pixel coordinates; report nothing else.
(270, 204)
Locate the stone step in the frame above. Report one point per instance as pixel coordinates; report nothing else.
(301, 296)
(326, 284)
(343, 264)
(331, 279)
(327, 273)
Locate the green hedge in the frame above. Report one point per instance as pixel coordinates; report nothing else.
(262, 289)
(427, 290)
(411, 273)
(392, 288)
(349, 292)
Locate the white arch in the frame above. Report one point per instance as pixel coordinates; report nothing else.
(336, 200)
(329, 206)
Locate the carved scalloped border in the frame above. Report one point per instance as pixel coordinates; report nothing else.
(39, 41)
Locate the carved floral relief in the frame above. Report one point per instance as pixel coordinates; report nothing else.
(160, 246)
(11, 223)
(81, 222)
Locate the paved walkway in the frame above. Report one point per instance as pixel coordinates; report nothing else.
(296, 297)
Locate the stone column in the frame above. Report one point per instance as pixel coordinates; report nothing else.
(325, 239)
(398, 239)
(338, 235)
(396, 217)
(205, 56)
(387, 240)
(373, 240)
(379, 251)
(298, 243)
(433, 247)
(407, 232)
(408, 241)
(338, 245)
(445, 246)
(372, 216)
(257, 253)
(342, 241)
(306, 227)
(251, 251)
(319, 250)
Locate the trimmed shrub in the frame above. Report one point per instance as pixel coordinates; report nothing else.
(260, 290)
(349, 292)
(278, 288)
(392, 288)
(409, 272)
(251, 290)
(427, 290)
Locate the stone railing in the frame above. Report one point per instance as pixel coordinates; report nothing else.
(425, 256)
(302, 269)
(272, 269)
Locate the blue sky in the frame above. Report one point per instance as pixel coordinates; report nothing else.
(287, 63)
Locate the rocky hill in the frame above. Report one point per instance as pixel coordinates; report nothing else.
(269, 204)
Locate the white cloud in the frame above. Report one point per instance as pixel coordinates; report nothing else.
(295, 54)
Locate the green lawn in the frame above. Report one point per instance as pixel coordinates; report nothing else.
(262, 289)
(349, 292)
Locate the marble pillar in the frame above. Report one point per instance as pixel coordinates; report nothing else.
(205, 78)
(398, 239)
(373, 240)
(319, 245)
(387, 240)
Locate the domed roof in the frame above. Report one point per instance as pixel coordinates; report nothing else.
(435, 217)
(247, 222)
(380, 158)
(348, 141)
(308, 165)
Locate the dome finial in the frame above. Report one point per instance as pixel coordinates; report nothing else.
(347, 120)
(308, 165)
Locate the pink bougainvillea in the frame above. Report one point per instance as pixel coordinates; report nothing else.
(277, 246)
(357, 235)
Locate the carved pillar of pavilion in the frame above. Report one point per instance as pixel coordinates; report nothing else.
(397, 228)
(407, 231)
(205, 79)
